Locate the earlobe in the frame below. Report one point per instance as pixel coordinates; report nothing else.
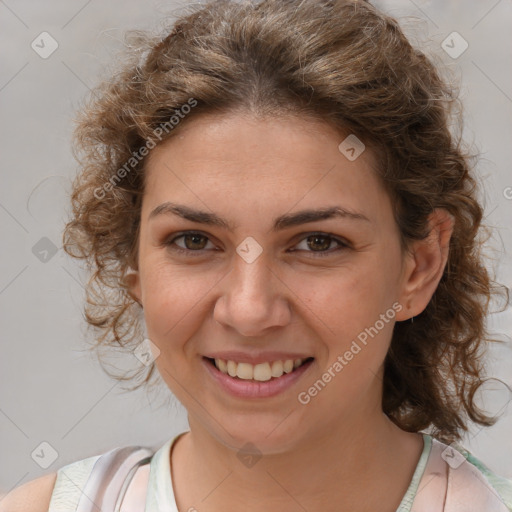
(426, 264)
(132, 283)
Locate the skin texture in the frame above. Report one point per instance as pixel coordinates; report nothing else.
(338, 452)
(33, 496)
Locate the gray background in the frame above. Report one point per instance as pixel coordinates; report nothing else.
(51, 389)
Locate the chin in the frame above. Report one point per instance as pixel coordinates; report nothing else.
(259, 437)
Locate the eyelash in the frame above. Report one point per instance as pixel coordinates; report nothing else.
(316, 254)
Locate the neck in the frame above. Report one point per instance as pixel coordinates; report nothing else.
(356, 465)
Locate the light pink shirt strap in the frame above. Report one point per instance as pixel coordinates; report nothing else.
(134, 499)
(431, 493)
(452, 484)
(110, 477)
(468, 489)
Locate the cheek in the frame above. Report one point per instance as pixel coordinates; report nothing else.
(353, 318)
(348, 300)
(173, 299)
(345, 310)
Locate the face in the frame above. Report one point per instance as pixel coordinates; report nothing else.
(251, 279)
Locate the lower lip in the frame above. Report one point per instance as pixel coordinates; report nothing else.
(254, 389)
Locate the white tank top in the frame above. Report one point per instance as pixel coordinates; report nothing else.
(446, 479)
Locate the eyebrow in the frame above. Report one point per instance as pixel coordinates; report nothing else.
(280, 223)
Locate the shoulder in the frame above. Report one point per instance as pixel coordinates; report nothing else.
(63, 490)
(500, 485)
(60, 490)
(34, 496)
(470, 479)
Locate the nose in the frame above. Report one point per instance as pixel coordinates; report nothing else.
(253, 299)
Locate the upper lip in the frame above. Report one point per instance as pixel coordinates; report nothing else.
(260, 357)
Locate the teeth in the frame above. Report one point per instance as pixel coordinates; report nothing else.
(277, 369)
(231, 368)
(244, 371)
(260, 372)
(221, 365)
(288, 366)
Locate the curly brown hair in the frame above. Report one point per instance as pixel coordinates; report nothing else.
(343, 62)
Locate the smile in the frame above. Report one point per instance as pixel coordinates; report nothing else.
(262, 380)
(260, 372)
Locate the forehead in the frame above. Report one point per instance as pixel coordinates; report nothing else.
(235, 159)
(236, 136)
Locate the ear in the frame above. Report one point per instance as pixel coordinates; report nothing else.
(132, 281)
(424, 265)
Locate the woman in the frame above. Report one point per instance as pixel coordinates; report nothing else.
(275, 187)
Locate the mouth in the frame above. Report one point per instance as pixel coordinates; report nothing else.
(263, 380)
(262, 372)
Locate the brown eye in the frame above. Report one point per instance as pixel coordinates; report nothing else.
(195, 241)
(192, 243)
(319, 244)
